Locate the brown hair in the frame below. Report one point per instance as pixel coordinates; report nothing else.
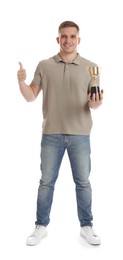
(68, 24)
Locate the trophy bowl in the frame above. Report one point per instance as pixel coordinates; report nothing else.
(94, 71)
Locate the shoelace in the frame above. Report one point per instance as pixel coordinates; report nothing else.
(37, 227)
(90, 231)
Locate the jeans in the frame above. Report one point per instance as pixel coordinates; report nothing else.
(53, 148)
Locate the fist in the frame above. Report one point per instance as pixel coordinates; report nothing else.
(21, 74)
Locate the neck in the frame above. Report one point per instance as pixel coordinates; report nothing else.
(67, 57)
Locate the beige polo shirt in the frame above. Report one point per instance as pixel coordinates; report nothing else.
(65, 95)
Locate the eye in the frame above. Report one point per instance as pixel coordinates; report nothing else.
(73, 36)
(63, 36)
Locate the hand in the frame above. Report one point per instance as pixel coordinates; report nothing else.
(21, 74)
(96, 100)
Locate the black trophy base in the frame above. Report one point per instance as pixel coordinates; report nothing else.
(94, 90)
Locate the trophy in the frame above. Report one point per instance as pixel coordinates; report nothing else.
(94, 83)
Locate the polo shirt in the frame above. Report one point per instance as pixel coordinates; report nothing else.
(65, 95)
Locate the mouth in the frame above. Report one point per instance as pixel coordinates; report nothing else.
(67, 45)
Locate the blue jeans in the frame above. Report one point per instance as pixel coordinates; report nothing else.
(52, 151)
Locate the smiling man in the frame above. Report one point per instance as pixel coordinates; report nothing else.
(67, 124)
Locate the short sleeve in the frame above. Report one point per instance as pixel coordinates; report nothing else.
(37, 76)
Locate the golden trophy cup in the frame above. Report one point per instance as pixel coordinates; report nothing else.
(94, 72)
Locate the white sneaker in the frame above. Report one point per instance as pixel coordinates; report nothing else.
(88, 233)
(35, 238)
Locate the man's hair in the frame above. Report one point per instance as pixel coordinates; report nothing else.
(68, 24)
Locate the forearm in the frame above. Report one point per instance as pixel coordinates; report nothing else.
(26, 91)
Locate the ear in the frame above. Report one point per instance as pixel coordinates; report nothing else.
(79, 39)
(57, 39)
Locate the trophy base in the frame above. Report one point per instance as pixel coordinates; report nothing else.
(94, 90)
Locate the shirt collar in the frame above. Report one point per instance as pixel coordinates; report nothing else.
(75, 61)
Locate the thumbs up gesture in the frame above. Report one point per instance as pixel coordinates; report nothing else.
(21, 74)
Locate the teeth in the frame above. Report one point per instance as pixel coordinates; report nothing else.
(67, 45)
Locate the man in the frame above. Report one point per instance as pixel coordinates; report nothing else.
(67, 124)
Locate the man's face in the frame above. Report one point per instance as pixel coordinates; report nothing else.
(68, 39)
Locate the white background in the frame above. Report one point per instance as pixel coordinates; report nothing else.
(28, 31)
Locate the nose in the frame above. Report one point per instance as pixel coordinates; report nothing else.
(68, 39)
